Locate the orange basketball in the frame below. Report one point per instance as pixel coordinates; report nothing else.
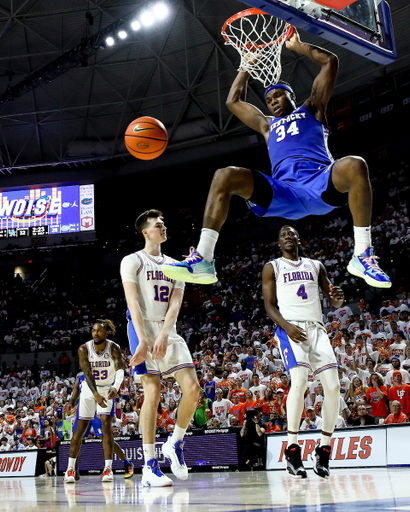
(146, 138)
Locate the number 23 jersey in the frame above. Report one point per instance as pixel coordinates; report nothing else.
(297, 289)
(297, 144)
(154, 288)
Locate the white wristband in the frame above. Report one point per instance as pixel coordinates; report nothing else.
(119, 377)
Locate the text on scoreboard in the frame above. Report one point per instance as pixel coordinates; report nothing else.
(46, 210)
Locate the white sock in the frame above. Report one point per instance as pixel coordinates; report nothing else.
(177, 434)
(71, 462)
(325, 440)
(149, 452)
(362, 239)
(207, 242)
(292, 439)
(108, 463)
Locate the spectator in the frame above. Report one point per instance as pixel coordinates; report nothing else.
(364, 418)
(252, 432)
(204, 404)
(221, 408)
(397, 415)
(311, 422)
(400, 391)
(30, 444)
(4, 447)
(376, 396)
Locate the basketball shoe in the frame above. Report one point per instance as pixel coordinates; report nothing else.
(129, 469)
(175, 454)
(107, 475)
(293, 461)
(69, 476)
(152, 476)
(365, 265)
(320, 457)
(194, 269)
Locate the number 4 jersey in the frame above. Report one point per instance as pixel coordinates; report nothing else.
(297, 141)
(297, 289)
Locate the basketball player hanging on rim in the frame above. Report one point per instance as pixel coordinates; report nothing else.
(154, 302)
(305, 178)
(290, 287)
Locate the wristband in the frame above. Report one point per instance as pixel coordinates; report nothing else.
(119, 377)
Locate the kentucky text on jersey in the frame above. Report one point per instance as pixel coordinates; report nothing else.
(100, 364)
(157, 275)
(297, 276)
(287, 119)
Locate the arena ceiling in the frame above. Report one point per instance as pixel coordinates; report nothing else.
(178, 71)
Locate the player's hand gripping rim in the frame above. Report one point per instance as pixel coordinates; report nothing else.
(295, 333)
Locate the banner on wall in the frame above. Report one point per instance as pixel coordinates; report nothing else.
(350, 448)
(21, 463)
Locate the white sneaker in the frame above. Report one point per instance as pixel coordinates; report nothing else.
(69, 476)
(152, 476)
(107, 475)
(175, 454)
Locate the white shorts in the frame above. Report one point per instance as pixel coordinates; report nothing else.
(316, 353)
(176, 357)
(88, 405)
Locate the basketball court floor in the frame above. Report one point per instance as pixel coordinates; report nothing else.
(349, 490)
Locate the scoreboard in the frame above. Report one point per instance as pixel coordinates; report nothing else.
(46, 210)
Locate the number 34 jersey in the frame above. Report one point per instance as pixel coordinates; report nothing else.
(296, 143)
(153, 287)
(297, 289)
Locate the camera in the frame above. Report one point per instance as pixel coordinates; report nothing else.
(251, 413)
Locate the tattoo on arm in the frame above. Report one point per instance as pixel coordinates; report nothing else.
(86, 368)
(118, 359)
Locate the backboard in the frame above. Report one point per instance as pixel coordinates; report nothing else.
(364, 27)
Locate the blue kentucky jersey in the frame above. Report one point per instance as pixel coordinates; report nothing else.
(294, 140)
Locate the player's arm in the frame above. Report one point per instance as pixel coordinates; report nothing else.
(333, 293)
(161, 343)
(247, 113)
(131, 296)
(324, 83)
(269, 296)
(119, 370)
(88, 374)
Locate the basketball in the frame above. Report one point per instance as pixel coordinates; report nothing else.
(146, 138)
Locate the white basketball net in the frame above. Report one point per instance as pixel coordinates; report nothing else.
(258, 37)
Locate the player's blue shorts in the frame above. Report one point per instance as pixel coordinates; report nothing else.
(141, 369)
(95, 423)
(301, 194)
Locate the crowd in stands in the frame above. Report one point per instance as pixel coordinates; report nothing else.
(231, 339)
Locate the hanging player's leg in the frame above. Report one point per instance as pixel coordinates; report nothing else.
(330, 410)
(152, 476)
(173, 449)
(351, 175)
(347, 175)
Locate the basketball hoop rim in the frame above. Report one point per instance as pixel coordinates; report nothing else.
(254, 11)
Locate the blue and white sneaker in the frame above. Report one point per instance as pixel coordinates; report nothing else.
(175, 454)
(194, 269)
(365, 265)
(152, 476)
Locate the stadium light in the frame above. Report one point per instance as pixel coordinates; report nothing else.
(110, 41)
(147, 18)
(160, 10)
(122, 34)
(135, 25)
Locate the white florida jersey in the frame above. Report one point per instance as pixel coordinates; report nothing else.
(297, 289)
(101, 364)
(154, 289)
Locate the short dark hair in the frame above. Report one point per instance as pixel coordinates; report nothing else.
(142, 221)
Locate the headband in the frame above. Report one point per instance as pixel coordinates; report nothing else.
(279, 86)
